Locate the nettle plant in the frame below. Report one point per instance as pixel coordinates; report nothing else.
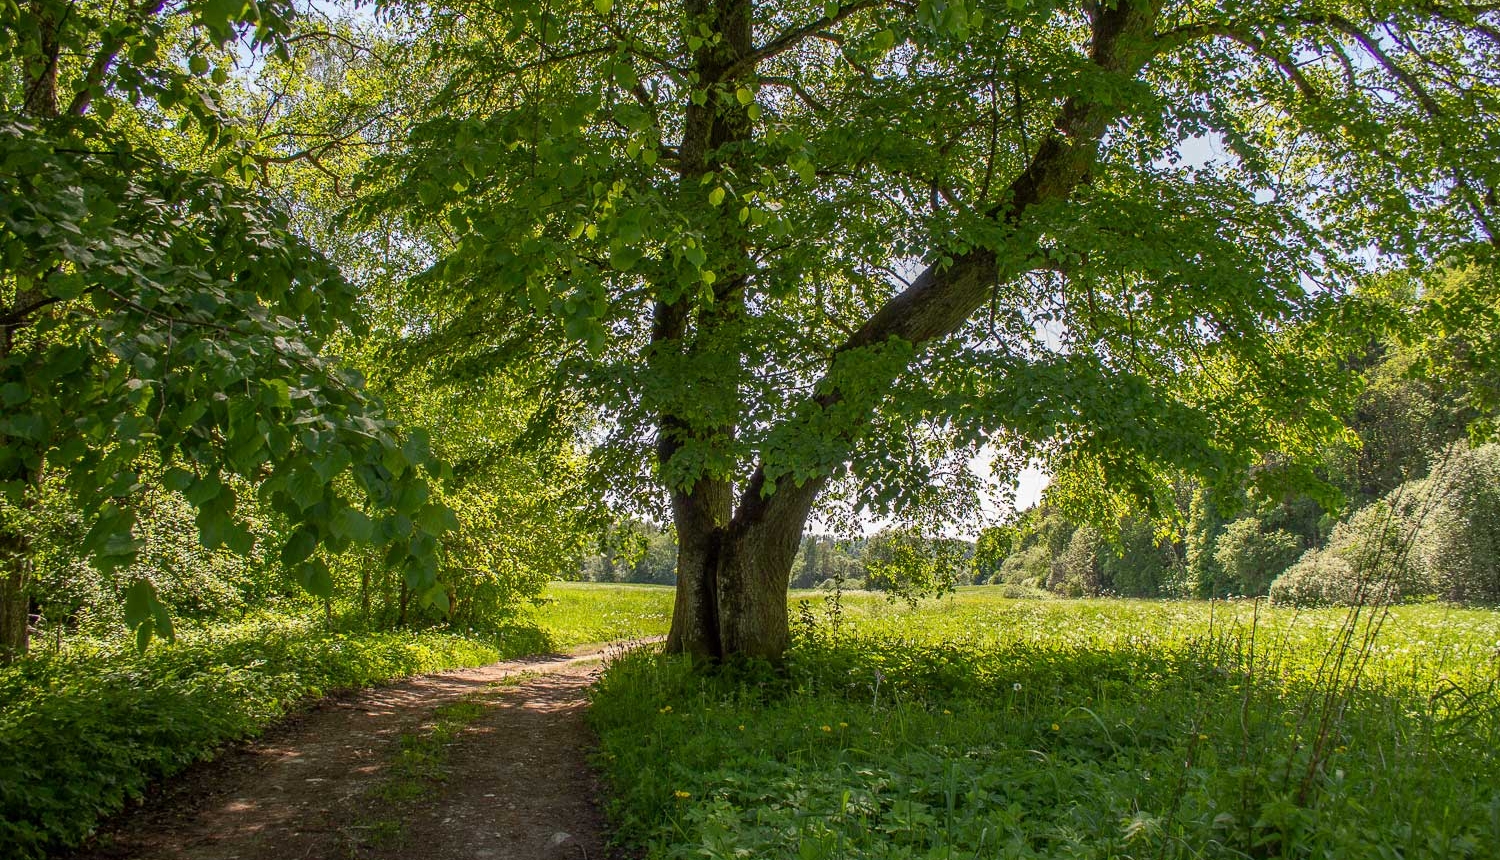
(804, 255)
(154, 311)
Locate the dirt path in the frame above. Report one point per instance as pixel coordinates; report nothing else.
(478, 764)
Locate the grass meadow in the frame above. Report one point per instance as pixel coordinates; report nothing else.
(980, 727)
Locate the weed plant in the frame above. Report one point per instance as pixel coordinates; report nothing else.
(980, 727)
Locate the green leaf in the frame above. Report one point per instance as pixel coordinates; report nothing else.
(716, 196)
(437, 597)
(315, 579)
(744, 95)
(603, 7)
(278, 393)
(299, 547)
(14, 394)
(352, 524)
(138, 599)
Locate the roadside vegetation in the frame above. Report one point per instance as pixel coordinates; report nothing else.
(87, 726)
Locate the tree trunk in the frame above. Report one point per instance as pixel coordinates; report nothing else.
(732, 579)
(15, 570)
(731, 591)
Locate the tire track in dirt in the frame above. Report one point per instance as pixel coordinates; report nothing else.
(515, 781)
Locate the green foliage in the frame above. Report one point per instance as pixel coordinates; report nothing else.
(156, 311)
(1077, 729)
(1076, 570)
(1251, 556)
(688, 225)
(85, 731)
(1458, 543)
(189, 580)
(634, 552)
(905, 563)
(1434, 537)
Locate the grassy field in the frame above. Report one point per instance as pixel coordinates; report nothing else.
(580, 613)
(982, 727)
(972, 726)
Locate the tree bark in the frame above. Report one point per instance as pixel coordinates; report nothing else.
(15, 570)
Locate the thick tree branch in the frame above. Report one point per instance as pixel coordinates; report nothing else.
(942, 298)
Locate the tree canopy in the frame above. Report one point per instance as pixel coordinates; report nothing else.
(820, 255)
(760, 257)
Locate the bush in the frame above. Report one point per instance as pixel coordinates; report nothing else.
(1367, 560)
(1323, 578)
(1458, 544)
(1030, 567)
(1251, 557)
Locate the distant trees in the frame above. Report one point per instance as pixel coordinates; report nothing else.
(1409, 507)
(900, 561)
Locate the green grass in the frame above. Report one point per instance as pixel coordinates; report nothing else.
(586, 613)
(982, 727)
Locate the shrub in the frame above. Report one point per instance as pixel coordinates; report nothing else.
(1252, 557)
(1458, 544)
(1367, 560)
(1030, 566)
(1323, 578)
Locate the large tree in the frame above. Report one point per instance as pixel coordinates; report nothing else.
(800, 255)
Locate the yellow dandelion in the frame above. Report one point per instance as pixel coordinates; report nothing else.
(681, 795)
(1056, 727)
(947, 712)
(666, 710)
(742, 728)
(843, 725)
(1202, 737)
(828, 728)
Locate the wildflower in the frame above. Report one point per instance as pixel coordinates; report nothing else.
(1202, 737)
(828, 728)
(681, 795)
(843, 725)
(1056, 727)
(666, 710)
(742, 728)
(947, 712)
(1016, 686)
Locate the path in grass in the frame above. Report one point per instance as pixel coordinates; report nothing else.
(472, 763)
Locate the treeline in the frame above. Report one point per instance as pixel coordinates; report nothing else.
(1407, 506)
(897, 560)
